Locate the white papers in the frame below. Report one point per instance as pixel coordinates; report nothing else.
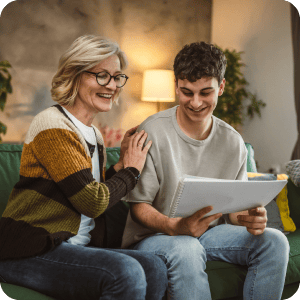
(226, 196)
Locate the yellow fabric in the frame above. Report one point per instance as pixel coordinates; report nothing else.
(282, 177)
(251, 174)
(282, 203)
(279, 176)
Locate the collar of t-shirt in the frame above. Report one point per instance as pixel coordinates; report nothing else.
(90, 136)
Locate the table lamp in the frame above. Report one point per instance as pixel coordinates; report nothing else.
(158, 86)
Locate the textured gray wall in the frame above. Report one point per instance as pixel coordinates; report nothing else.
(34, 34)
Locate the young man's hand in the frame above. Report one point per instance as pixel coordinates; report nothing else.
(196, 224)
(255, 220)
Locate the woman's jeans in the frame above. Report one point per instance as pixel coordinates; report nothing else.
(77, 272)
(265, 255)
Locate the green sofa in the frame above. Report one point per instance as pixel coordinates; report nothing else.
(226, 280)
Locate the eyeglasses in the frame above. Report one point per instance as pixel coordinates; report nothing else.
(103, 78)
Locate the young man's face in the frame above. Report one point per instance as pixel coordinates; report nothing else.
(197, 100)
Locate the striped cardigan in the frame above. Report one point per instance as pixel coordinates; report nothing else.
(56, 186)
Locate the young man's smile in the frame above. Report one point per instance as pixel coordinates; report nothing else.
(197, 101)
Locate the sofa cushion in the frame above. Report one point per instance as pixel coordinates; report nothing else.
(251, 165)
(293, 270)
(19, 292)
(10, 156)
(113, 155)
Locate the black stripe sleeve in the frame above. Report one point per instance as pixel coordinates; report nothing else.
(119, 185)
(110, 173)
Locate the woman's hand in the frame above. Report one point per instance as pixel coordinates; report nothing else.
(135, 155)
(124, 146)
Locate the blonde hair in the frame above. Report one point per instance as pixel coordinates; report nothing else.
(85, 53)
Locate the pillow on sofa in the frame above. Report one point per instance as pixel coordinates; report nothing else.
(251, 165)
(294, 203)
(278, 210)
(283, 205)
(293, 170)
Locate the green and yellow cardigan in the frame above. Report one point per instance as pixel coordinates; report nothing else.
(56, 186)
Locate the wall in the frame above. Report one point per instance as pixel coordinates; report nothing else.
(262, 29)
(34, 33)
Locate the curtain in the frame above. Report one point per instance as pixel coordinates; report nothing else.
(296, 51)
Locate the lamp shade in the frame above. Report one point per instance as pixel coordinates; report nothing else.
(158, 86)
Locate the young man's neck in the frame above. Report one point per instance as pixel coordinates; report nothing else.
(195, 130)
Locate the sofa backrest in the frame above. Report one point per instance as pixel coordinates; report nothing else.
(10, 156)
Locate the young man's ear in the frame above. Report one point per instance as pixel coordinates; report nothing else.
(176, 86)
(222, 86)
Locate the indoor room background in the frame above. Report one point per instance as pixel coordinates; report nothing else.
(34, 34)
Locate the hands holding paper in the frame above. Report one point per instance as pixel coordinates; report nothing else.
(196, 224)
(255, 220)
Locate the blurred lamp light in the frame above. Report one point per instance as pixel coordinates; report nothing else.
(158, 86)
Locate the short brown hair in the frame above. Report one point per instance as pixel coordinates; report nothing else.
(198, 60)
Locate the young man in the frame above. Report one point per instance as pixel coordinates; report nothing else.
(188, 139)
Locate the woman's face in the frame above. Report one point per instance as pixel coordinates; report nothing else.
(93, 97)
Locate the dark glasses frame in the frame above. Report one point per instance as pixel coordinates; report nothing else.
(114, 77)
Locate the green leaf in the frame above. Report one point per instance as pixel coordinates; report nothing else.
(2, 100)
(4, 70)
(5, 64)
(3, 128)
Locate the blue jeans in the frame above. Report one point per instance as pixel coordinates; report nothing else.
(265, 255)
(77, 272)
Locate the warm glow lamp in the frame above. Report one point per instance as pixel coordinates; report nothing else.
(158, 86)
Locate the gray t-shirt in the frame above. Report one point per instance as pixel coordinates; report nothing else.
(221, 155)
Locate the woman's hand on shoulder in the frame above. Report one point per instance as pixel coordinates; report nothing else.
(124, 146)
(135, 155)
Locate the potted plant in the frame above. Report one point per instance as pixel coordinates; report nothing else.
(5, 88)
(236, 103)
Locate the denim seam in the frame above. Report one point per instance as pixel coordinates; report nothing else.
(253, 282)
(229, 248)
(3, 280)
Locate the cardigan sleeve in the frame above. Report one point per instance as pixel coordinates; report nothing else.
(110, 172)
(58, 155)
(117, 190)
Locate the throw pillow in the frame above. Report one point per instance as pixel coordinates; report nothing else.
(278, 210)
(293, 170)
(283, 205)
(251, 165)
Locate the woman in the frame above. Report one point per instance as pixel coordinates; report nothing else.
(52, 230)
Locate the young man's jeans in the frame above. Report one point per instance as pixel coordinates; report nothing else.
(265, 255)
(77, 272)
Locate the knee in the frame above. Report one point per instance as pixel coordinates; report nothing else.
(155, 267)
(189, 253)
(156, 273)
(276, 244)
(129, 273)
